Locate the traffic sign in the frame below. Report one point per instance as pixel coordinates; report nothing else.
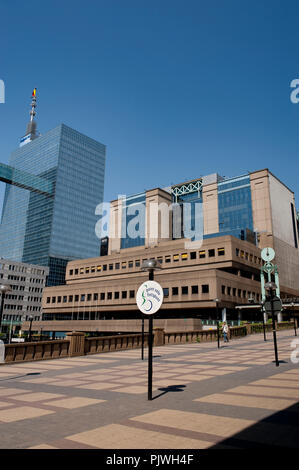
(268, 254)
(149, 297)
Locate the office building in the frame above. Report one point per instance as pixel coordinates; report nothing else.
(239, 216)
(54, 183)
(27, 282)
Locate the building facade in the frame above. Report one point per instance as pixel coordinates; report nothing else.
(27, 283)
(54, 221)
(203, 277)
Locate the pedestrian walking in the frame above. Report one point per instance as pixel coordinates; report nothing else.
(225, 331)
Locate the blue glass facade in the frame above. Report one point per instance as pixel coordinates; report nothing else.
(133, 221)
(235, 208)
(187, 221)
(50, 230)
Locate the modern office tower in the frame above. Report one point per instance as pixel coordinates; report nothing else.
(27, 282)
(55, 181)
(237, 217)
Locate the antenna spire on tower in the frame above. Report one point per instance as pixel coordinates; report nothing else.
(31, 133)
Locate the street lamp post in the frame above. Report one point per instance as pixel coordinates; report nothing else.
(217, 310)
(271, 288)
(150, 265)
(30, 326)
(4, 288)
(294, 319)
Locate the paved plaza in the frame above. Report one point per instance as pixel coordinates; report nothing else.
(234, 397)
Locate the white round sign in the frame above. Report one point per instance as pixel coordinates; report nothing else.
(268, 254)
(149, 297)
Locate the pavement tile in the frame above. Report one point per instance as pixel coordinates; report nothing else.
(22, 412)
(37, 396)
(266, 391)
(74, 402)
(130, 438)
(199, 422)
(247, 401)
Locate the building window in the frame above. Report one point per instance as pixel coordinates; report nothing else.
(88, 297)
(205, 288)
(184, 256)
(221, 252)
(193, 255)
(137, 263)
(194, 289)
(116, 295)
(166, 291)
(185, 290)
(82, 297)
(124, 294)
(102, 295)
(237, 252)
(109, 295)
(234, 291)
(124, 265)
(223, 290)
(132, 294)
(130, 264)
(167, 259)
(228, 290)
(104, 267)
(110, 267)
(176, 257)
(202, 254)
(48, 300)
(71, 272)
(53, 300)
(93, 269)
(160, 259)
(70, 298)
(76, 298)
(95, 296)
(99, 268)
(117, 265)
(175, 291)
(239, 292)
(81, 270)
(59, 299)
(211, 253)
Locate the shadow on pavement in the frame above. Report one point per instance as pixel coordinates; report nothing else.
(171, 388)
(19, 376)
(278, 430)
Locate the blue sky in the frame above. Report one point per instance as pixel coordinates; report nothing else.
(175, 89)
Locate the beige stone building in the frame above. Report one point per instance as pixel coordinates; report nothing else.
(213, 272)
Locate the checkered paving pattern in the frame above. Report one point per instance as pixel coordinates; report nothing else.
(232, 397)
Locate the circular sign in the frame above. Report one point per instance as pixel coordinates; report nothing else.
(149, 297)
(268, 254)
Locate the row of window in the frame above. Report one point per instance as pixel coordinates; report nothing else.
(234, 292)
(248, 256)
(21, 269)
(193, 255)
(123, 294)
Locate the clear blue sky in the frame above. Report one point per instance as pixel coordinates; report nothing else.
(175, 88)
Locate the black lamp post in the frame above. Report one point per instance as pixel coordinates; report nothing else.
(270, 299)
(218, 333)
(150, 265)
(294, 319)
(4, 288)
(30, 326)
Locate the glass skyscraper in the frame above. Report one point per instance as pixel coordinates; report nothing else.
(48, 227)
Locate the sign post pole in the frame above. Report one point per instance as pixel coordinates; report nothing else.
(149, 299)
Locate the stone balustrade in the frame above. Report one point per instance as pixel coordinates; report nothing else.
(77, 344)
